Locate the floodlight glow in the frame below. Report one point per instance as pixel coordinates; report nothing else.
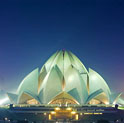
(53, 112)
(73, 112)
(3, 100)
(57, 108)
(50, 117)
(76, 117)
(106, 103)
(69, 109)
(44, 113)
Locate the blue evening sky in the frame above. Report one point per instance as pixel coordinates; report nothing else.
(32, 30)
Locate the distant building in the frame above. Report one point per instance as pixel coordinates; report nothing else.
(63, 79)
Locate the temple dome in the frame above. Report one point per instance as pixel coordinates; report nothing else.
(63, 79)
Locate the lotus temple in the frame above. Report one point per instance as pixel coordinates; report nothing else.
(64, 79)
(63, 90)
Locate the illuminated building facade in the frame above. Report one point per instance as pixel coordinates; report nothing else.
(63, 79)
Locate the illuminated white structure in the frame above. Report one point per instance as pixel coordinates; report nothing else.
(63, 79)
